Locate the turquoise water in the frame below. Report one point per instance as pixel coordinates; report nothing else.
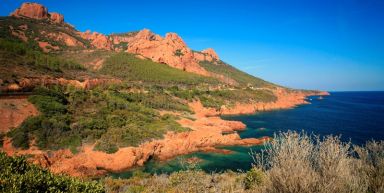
(355, 116)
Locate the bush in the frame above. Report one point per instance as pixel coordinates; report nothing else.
(297, 162)
(2, 135)
(372, 164)
(16, 175)
(254, 178)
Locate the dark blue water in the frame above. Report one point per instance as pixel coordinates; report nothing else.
(355, 116)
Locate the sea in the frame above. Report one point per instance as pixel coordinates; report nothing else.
(355, 117)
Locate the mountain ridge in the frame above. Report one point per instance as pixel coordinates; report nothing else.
(170, 50)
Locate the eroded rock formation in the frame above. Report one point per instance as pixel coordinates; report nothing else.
(170, 50)
(37, 11)
(98, 40)
(206, 55)
(57, 18)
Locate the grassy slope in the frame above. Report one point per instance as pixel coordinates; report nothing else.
(19, 60)
(129, 67)
(241, 77)
(35, 28)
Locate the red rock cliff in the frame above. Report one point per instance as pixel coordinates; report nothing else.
(57, 17)
(170, 50)
(37, 11)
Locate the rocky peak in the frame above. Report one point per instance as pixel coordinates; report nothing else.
(175, 38)
(37, 11)
(170, 50)
(210, 52)
(206, 55)
(57, 17)
(31, 10)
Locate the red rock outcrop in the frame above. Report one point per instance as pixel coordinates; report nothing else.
(64, 38)
(206, 55)
(210, 52)
(14, 111)
(47, 47)
(31, 10)
(37, 11)
(170, 50)
(98, 40)
(57, 18)
(285, 100)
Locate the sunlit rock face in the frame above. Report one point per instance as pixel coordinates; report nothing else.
(170, 50)
(37, 11)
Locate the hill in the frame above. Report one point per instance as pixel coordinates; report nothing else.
(107, 103)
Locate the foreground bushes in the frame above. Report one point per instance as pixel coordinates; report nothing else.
(296, 162)
(16, 175)
(292, 162)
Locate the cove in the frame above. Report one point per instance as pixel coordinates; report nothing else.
(354, 116)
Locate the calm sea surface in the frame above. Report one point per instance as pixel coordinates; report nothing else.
(355, 116)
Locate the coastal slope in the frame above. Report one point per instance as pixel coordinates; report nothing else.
(96, 103)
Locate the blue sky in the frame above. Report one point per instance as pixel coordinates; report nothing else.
(311, 44)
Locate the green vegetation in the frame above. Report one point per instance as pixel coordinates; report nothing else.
(129, 67)
(110, 118)
(122, 46)
(37, 29)
(86, 58)
(18, 53)
(229, 97)
(240, 77)
(19, 60)
(178, 53)
(2, 135)
(16, 175)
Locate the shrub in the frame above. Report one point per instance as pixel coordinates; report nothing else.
(2, 135)
(179, 53)
(372, 164)
(297, 162)
(253, 178)
(16, 175)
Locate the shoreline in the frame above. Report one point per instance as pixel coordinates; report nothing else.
(209, 130)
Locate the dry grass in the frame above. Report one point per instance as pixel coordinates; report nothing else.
(292, 162)
(297, 162)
